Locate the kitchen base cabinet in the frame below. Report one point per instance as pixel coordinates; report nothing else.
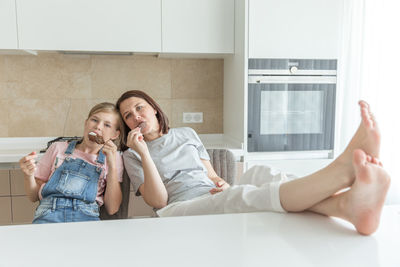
(22, 209)
(17, 183)
(15, 207)
(4, 183)
(5, 211)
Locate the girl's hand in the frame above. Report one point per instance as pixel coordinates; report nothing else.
(220, 183)
(28, 164)
(110, 150)
(136, 141)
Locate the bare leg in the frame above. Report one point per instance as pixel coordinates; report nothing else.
(303, 193)
(362, 204)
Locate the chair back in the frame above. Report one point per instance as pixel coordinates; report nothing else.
(223, 162)
(122, 213)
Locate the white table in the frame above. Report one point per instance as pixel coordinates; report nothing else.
(253, 239)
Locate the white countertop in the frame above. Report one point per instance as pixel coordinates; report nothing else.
(12, 149)
(252, 239)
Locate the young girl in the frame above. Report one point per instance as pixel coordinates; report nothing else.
(70, 179)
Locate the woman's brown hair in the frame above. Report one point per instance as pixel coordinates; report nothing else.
(161, 117)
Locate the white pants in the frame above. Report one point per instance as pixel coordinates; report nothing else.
(258, 191)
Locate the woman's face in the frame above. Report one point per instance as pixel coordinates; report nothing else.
(137, 111)
(104, 124)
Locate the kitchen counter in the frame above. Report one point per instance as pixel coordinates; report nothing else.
(13, 148)
(247, 239)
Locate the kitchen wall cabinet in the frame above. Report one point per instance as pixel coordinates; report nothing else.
(192, 26)
(276, 29)
(294, 29)
(90, 25)
(8, 25)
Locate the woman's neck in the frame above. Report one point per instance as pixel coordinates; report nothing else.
(152, 136)
(88, 148)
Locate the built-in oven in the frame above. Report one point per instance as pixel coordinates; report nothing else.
(291, 105)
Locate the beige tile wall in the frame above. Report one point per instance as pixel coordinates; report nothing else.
(51, 94)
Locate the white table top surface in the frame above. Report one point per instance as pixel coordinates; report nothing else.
(252, 239)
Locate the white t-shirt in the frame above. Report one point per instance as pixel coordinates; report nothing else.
(177, 156)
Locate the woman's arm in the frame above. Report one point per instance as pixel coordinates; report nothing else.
(113, 193)
(218, 181)
(153, 189)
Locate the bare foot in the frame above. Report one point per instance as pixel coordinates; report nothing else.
(364, 201)
(367, 138)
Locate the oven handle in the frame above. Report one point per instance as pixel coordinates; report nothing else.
(293, 79)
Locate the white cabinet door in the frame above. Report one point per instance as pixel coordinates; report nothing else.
(91, 25)
(294, 28)
(8, 25)
(198, 26)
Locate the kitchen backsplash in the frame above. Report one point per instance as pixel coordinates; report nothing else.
(51, 94)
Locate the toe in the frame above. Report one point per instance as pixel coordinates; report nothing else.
(359, 157)
(364, 104)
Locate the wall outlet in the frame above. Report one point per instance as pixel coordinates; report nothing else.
(192, 117)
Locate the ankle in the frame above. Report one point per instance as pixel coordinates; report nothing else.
(343, 206)
(345, 170)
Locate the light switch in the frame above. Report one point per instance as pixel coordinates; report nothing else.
(192, 117)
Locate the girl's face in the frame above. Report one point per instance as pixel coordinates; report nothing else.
(137, 111)
(104, 124)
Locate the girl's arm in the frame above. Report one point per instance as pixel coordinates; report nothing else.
(213, 176)
(153, 189)
(113, 193)
(31, 184)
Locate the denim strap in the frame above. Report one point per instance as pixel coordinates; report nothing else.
(71, 147)
(101, 158)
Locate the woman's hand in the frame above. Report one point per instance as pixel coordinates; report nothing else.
(220, 183)
(28, 164)
(110, 150)
(136, 141)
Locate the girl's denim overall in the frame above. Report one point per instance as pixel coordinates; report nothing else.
(70, 194)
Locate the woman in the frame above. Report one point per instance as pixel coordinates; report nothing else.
(70, 179)
(171, 170)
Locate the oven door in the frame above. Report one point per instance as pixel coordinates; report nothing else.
(291, 115)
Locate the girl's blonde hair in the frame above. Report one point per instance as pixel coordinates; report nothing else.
(111, 108)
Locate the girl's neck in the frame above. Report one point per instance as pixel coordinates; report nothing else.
(89, 149)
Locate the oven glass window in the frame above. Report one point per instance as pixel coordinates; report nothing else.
(291, 112)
